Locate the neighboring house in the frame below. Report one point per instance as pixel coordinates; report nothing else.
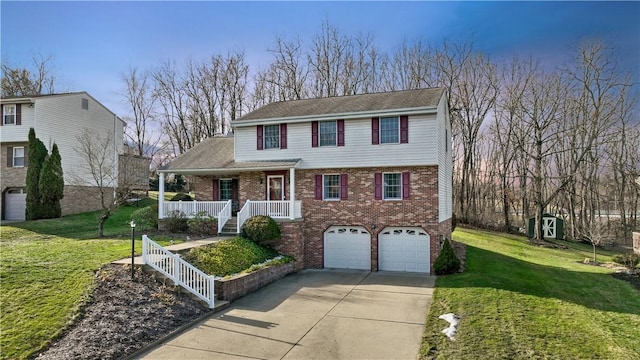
(59, 118)
(362, 182)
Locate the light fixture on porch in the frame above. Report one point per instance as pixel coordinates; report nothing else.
(260, 180)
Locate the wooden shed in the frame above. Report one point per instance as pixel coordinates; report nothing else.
(552, 227)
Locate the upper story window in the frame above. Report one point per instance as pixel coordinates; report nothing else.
(328, 133)
(389, 130)
(271, 136)
(18, 156)
(9, 114)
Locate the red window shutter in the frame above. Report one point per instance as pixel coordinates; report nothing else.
(283, 136)
(9, 155)
(404, 129)
(260, 132)
(340, 132)
(314, 134)
(215, 190)
(375, 131)
(318, 187)
(406, 186)
(344, 186)
(378, 186)
(18, 114)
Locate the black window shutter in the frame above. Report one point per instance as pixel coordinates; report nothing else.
(340, 132)
(18, 114)
(378, 186)
(9, 155)
(215, 191)
(344, 186)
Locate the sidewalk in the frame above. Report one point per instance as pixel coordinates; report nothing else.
(173, 248)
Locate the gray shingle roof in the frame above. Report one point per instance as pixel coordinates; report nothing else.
(216, 153)
(348, 104)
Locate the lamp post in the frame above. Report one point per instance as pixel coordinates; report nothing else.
(133, 233)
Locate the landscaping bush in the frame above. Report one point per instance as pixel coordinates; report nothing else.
(628, 260)
(177, 222)
(447, 262)
(181, 197)
(146, 218)
(202, 224)
(228, 257)
(262, 230)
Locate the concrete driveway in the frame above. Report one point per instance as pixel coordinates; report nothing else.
(315, 314)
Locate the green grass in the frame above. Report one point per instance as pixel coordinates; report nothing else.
(230, 256)
(519, 301)
(47, 272)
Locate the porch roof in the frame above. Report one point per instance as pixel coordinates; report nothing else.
(215, 156)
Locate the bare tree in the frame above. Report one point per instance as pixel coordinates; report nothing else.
(28, 81)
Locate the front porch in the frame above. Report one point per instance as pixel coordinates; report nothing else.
(233, 197)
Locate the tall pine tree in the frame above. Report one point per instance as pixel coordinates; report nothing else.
(36, 156)
(51, 185)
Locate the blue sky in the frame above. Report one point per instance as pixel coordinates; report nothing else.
(94, 43)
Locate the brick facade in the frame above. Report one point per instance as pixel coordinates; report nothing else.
(304, 238)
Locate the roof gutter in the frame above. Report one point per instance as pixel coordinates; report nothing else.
(21, 100)
(224, 170)
(340, 116)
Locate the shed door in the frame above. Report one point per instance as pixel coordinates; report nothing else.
(549, 227)
(347, 247)
(404, 249)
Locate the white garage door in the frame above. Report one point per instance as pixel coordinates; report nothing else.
(15, 205)
(347, 247)
(404, 249)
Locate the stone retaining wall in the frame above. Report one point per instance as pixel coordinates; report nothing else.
(243, 284)
(636, 242)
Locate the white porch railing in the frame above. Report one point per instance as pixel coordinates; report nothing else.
(178, 270)
(274, 209)
(190, 208)
(224, 215)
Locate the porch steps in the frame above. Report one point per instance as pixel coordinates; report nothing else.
(230, 227)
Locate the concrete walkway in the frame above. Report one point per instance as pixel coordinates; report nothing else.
(314, 314)
(173, 248)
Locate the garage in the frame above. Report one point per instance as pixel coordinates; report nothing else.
(404, 249)
(15, 204)
(347, 247)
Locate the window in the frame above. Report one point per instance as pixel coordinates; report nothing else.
(392, 186)
(225, 189)
(85, 104)
(331, 187)
(9, 114)
(272, 136)
(389, 130)
(328, 132)
(18, 156)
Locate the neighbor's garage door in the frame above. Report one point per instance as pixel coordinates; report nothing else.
(15, 205)
(347, 247)
(404, 249)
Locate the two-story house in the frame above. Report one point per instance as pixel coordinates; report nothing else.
(60, 118)
(361, 182)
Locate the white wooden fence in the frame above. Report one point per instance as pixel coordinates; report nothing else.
(274, 209)
(179, 271)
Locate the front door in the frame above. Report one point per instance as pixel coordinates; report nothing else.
(275, 187)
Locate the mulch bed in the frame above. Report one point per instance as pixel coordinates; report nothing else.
(633, 279)
(124, 316)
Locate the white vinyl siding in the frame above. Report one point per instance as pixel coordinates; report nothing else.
(20, 133)
(445, 164)
(422, 148)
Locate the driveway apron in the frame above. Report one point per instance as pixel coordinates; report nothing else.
(315, 314)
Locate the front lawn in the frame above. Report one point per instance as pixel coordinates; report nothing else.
(520, 301)
(47, 271)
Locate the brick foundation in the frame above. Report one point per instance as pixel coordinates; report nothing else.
(241, 285)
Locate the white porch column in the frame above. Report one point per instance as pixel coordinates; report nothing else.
(161, 196)
(292, 193)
